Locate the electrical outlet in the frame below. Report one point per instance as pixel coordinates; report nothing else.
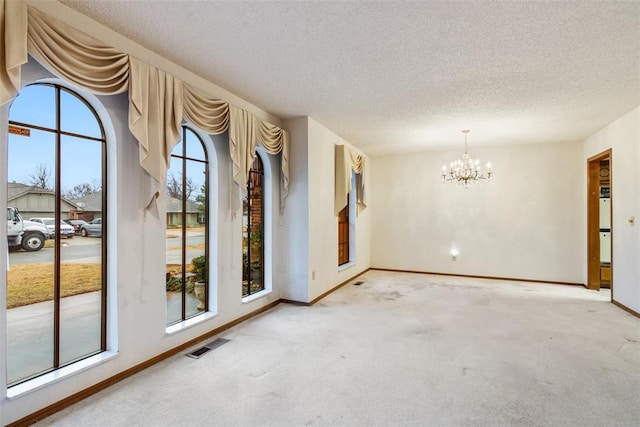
(313, 275)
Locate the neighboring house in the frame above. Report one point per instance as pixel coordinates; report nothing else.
(34, 201)
(174, 207)
(88, 207)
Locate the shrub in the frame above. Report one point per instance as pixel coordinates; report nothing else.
(199, 268)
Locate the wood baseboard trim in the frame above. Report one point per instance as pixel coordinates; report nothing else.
(294, 302)
(332, 290)
(625, 308)
(513, 279)
(74, 398)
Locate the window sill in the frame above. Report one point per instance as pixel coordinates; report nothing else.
(186, 324)
(346, 266)
(256, 296)
(34, 384)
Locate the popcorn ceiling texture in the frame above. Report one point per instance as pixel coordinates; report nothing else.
(406, 76)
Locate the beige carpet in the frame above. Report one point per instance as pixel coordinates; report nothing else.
(401, 349)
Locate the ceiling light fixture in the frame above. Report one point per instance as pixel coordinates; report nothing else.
(466, 171)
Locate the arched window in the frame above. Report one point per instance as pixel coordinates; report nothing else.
(343, 235)
(187, 281)
(57, 176)
(253, 231)
(346, 228)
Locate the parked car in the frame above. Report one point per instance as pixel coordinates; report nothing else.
(65, 229)
(93, 228)
(76, 224)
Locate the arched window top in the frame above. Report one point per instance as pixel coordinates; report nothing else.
(76, 116)
(190, 146)
(256, 172)
(257, 165)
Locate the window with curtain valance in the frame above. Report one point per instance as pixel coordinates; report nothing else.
(158, 101)
(345, 162)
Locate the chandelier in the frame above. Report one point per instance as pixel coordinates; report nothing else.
(465, 171)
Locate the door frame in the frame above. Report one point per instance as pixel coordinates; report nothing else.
(593, 219)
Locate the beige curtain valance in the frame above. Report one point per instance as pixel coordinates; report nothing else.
(209, 114)
(157, 100)
(155, 115)
(76, 57)
(345, 162)
(13, 41)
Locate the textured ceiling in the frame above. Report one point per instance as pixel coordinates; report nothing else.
(393, 76)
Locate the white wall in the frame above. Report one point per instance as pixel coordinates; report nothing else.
(623, 137)
(293, 272)
(527, 223)
(323, 224)
(136, 268)
(309, 225)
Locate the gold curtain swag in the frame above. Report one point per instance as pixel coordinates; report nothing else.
(157, 100)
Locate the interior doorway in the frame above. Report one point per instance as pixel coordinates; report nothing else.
(599, 222)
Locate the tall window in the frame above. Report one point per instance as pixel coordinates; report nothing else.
(187, 283)
(253, 231)
(56, 283)
(343, 234)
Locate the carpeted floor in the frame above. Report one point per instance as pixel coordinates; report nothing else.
(401, 349)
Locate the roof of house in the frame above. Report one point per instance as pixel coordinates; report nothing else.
(17, 189)
(91, 202)
(175, 205)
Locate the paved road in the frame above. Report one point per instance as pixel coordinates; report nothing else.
(76, 249)
(87, 249)
(173, 246)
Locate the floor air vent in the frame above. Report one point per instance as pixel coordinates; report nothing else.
(358, 283)
(211, 346)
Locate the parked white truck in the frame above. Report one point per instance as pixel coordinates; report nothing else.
(27, 235)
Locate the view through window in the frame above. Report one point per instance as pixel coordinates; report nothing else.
(56, 192)
(343, 234)
(187, 229)
(253, 231)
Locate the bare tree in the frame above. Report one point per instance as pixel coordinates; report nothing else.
(174, 187)
(40, 177)
(81, 190)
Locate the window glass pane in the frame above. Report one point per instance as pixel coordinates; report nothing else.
(195, 237)
(32, 159)
(35, 105)
(174, 190)
(174, 270)
(256, 241)
(76, 117)
(252, 227)
(30, 279)
(174, 277)
(81, 278)
(195, 150)
(81, 171)
(245, 246)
